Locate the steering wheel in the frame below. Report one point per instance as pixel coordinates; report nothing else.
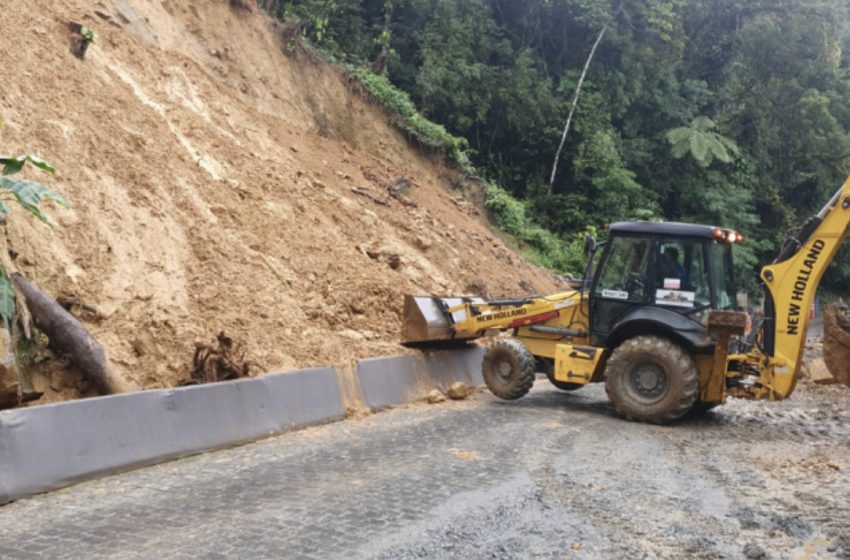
(635, 281)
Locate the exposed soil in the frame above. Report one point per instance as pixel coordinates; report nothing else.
(836, 342)
(219, 181)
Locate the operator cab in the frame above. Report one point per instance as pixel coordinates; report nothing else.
(665, 274)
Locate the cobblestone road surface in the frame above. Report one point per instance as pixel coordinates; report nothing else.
(553, 475)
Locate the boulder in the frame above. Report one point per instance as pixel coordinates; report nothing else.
(459, 391)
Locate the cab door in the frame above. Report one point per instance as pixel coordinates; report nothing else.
(622, 282)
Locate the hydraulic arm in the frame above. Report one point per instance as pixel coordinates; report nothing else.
(428, 319)
(790, 286)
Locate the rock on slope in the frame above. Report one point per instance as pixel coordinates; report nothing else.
(210, 175)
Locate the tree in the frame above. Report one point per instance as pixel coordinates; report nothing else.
(721, 111)
(702, 143)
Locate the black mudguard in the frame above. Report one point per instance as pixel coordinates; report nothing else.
(660, 321)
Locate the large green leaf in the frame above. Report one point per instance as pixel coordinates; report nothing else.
(699, 149)
(703, 123)
(12, 165)
(701, 142)
(680, 138)
(30, 194)
(717, 149)
(7, 301)
(681, 134)
(729, 144)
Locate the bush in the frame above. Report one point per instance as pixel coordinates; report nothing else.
(404, 112)
(506, 211)
(542, 247)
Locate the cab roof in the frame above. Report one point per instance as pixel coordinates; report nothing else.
(674, 229)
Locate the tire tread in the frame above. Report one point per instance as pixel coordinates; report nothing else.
(522, 379)
(681, 362)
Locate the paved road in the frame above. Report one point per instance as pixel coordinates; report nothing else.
(554, 475)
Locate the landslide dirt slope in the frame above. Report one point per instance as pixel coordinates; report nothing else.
(210, 176)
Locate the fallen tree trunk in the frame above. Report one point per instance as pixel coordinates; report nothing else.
(69, 336)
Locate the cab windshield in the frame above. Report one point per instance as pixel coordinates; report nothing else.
(688, 275)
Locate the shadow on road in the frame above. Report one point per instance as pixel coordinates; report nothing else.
(592, 401)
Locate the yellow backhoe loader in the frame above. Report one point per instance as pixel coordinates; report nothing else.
(655, 318)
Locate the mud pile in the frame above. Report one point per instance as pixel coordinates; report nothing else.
(836, 343)
(220, 181)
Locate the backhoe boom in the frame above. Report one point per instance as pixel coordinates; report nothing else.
(790, 286)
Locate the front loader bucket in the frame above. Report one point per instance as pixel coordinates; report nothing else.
(427, 323)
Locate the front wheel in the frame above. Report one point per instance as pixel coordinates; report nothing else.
(508, 369)
(651, 379)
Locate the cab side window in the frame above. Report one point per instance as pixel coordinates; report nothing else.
(624, 276)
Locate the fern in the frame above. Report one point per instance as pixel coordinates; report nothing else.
(700, 140)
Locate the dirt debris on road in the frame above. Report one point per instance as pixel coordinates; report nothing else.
(459, 390)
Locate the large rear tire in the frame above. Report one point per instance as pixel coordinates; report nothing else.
(508, 369)
(547, 366)
(651, 379)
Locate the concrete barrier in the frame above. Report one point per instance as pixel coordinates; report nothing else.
(51, 446)
(395, 380)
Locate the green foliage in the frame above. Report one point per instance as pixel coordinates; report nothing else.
(700, 140)
(406, 115)
(13, 165)
(28, 194)
(543, 248)
(337, 25)
(507, 211)
(7, 301)
(88, 35)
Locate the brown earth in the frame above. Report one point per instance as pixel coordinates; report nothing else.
(836, 343)
(219, 181)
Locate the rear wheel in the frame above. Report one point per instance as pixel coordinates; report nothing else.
(547, 366)
(508, 369)
(651, 379)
